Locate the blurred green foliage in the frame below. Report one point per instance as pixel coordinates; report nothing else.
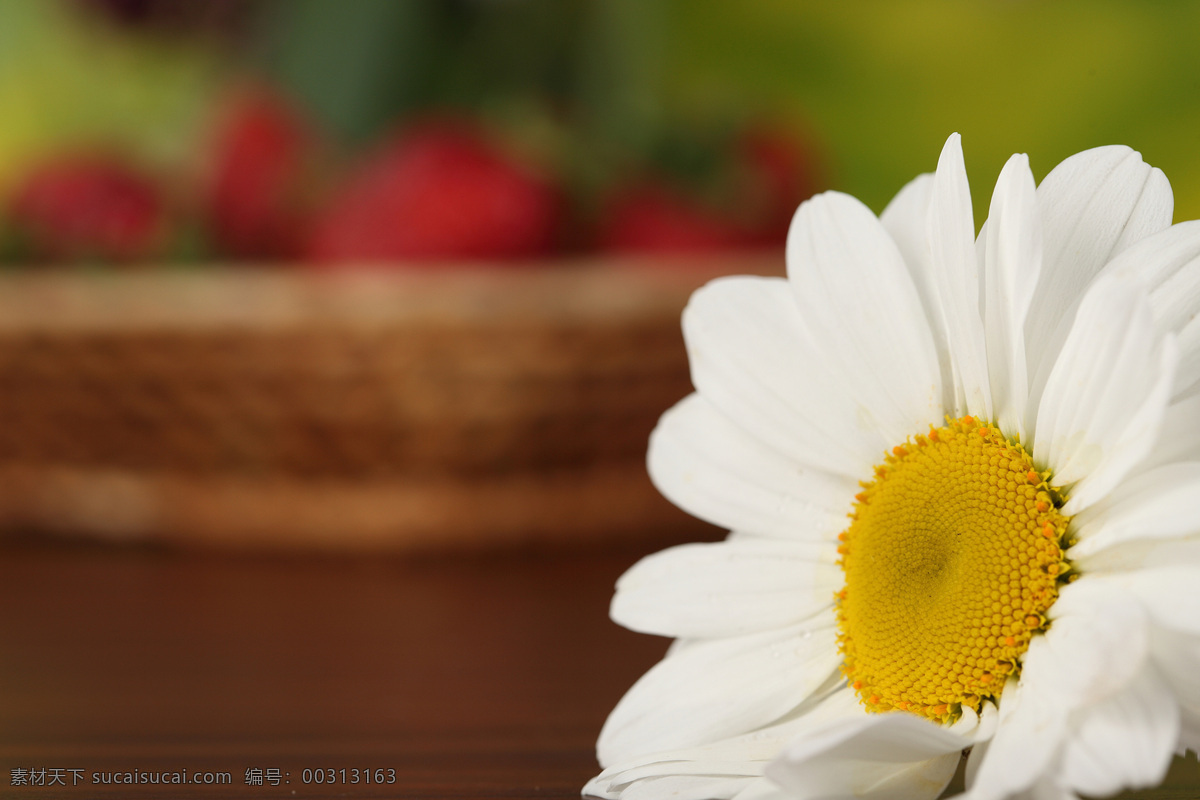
(886, 82)
(879, 83)
(65, 86)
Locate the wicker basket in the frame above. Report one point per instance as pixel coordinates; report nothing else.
(402, 410)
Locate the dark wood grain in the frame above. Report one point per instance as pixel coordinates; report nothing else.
(481, 676)
(484, 676)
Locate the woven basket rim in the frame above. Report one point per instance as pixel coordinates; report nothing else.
(258, 297)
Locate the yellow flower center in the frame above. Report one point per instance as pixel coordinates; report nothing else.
(953, 556)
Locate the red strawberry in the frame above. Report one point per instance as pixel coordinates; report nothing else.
(649, 217)
(760, 181)
(779, 173)
(258, 205)
(88, 207)
(439, 191)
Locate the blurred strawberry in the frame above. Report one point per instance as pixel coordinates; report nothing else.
(650, 217)
(780, 172)
(439, 191)
(87, 207)
(259, 202)
(744, 197)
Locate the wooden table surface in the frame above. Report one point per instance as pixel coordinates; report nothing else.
(277, 677)
(467, 676)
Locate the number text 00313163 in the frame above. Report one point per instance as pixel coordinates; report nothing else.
(350, 776)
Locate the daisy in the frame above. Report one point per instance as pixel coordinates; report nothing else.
(962, 476)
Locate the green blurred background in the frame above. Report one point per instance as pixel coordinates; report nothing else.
(595, 87)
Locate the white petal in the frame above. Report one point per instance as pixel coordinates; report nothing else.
(762, 789)
(686, 787)
(725, 589)
(1124, 742)
(1013, 260)
(857, 298)
(1097, 643)
(1177, 657)
(977, 755)
(1048, 790)
(741, 758)
(955, 271)
(1170, 595)
(753, 359)
(679, 787)
(1144, 554)
(1179, 436)
(906, 220)
(1093, 205)
(1098, 639)
(1107, 393)
(1025, 743)
(1169, 265)
(870, 755)
(711, 468)
(1163, 503)
(1189, 731)
(978, 727)
(1187, 374)
(714, 689)
(708, 761)
(599, 786)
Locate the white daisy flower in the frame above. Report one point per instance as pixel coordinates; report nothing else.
(963, 481)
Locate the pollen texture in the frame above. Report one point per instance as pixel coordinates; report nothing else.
(952, 559)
